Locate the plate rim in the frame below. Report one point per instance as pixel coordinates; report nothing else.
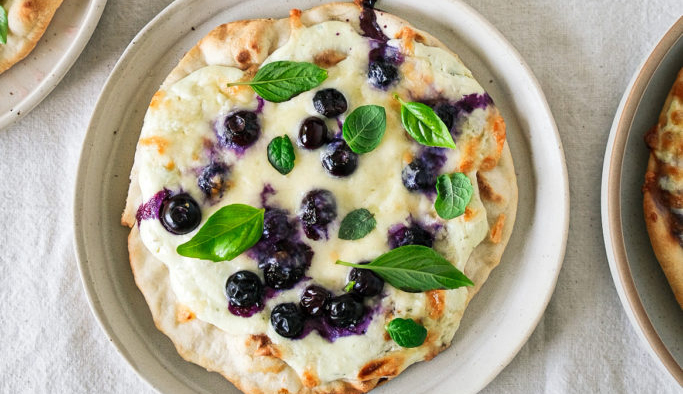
(611, 204)
(81, 255)
(64, 64)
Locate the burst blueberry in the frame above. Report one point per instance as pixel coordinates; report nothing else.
(287, 320)
(276, 225)
(318, 209)
(381, 73)
(329, 102)
(244, 289)
(366, 282)
(338, 159)
(345, 310)
(313, 133)
(413, 235)
(212, 180)
(286, 264)
(447, 113)
(314, 300)
(180, 214)
(240, 128)
(419, 175)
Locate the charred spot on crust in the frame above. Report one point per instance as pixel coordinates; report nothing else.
(243, 57)
(328, 58)
(486, 191)
(389, 366)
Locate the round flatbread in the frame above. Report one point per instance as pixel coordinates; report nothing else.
(27, 21)
(185, 295)
(663, 189)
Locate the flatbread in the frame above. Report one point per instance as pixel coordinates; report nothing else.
(252, 362)
(27, 20)
(663, 206)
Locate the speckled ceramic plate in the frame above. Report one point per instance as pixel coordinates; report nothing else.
(642, 287)
(28, 82)
(500, 318)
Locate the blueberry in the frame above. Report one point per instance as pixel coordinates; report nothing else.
(212, 180)
(318, 209)
(413, 235)
(382, 74)
(314, 300)
(446, 112)
(286, 264)
(313, 133)
(244, 289)
(240, 128)
(329, 102)
(287, 320)
(367, 283)
(180, 214)
(418, 175)
(276, 225)
(345, 310)
(338, 159)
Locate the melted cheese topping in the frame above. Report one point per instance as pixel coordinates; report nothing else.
(669, 149)
(178, 129)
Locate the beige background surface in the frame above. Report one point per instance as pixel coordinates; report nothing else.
(583, 53)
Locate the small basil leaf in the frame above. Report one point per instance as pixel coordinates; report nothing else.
(406, 332)
(357, 224)
(280, 81)
(226, 234)
(349, 286)
(415, 268)
(424, 125)
(364, 128)
(281, 154)
(4, 25)
(453, 193)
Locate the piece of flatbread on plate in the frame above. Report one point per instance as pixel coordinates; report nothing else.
(262, 362)
(663, 189)
(27, 21)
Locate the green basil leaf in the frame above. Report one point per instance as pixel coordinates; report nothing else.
(364, 128)
(357, 224)
(349, 286)
(4, 25)
(453, 193)
(281, 154)
(280, 81)
(424, 125)
(226, 234)
(406, 332)
(415, 268)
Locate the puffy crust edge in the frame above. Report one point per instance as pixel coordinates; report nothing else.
(32, 17)
(667, 249)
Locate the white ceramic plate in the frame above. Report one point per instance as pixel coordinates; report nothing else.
(28, 82)
(500, 318)
(640, 282)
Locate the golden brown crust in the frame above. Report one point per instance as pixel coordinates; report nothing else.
(665, 245)
(252, 363)
(27, 20)
(665, 139)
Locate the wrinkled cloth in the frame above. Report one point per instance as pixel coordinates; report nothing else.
(583, 54)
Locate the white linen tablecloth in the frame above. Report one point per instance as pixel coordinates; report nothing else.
(583, 53)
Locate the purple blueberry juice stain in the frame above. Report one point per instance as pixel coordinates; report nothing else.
(261, 103)
(150, 209)
(326, 330)
(368, 22)
(473, 101)
(266, 192)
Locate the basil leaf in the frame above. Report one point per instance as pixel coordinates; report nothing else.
(357, 224)
(281, 154)
(280, 81)
(415, 268)
(424, 125)
(406, 332)
(226, 234)
(349, 286)
(364, 128)
(453, 193)
(4, 25)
